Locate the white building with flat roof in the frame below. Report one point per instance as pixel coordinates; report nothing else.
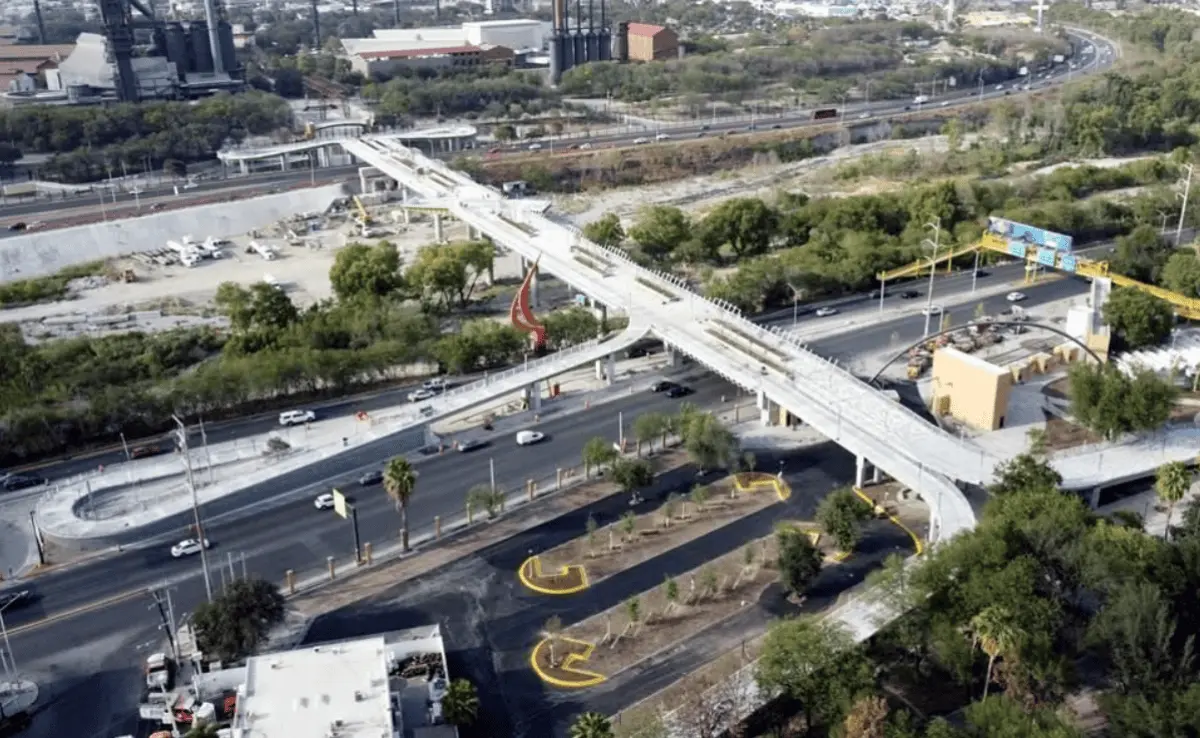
(381, 686)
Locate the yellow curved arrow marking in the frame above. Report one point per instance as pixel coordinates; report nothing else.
(578, 652)
(750, 481)
(880, 510)
(532, 576)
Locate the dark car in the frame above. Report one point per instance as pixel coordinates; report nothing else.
(14, 599)
(370, 478)
(146, 451)
(981, 274)
(909, 295)
(14, 482)
(18, 226)
(679, 391)
(472, 445)
(663, 386)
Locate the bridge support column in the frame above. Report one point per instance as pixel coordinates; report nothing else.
(610, 369)
(1094, 499)
(283, 162)
(472, 233)
(768, 411)
(244, 166)
(601, 313)
(437, 228)
(860, 471)
(876, 474)
(533, 396)
(674, 360)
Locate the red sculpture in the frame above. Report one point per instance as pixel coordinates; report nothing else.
(522, 316)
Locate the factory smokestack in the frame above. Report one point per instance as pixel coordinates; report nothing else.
(559, 24)
(41, 26)
(316, 26)
(214, 37)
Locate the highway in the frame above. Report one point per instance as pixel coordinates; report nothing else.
(857, 113)
(287, 532)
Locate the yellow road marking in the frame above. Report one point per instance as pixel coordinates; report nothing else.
(82, 609)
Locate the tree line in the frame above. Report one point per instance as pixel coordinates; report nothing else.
(830, 245)
(94, 142)
(61, 394)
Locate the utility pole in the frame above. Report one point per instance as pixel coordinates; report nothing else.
(1187, 192)
(166, 612)
(181, 435)
(11, 665)
(936, 225)
(207, 455)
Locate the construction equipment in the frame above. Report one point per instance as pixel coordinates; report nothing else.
(364, 218)
(128, 276)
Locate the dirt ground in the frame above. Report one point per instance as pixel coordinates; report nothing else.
(1063, 434)
(616, 547)
(706, 595)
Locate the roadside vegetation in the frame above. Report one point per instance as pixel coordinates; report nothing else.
(387, 317)
(1044, 618)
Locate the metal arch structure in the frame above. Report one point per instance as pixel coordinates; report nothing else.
(1028, 324)
(521, 314)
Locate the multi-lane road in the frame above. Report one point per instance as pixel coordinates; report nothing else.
(1096, 62)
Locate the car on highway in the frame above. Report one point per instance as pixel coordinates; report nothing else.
(473, 444)
(421, 394)
(296, 417)
(189, 547)
(370, 479)
(535, 147)
(825, 312)
(678, 391)
(1015, 296)
(324, 502)
(18, 226)
(437, 383)
(145, 451)
(662, 136)
(528, 437)
(14, 482)
(585, 147)
(640, 141)
(13, 598)
(662, 386)
(931, 310)
(909, 295)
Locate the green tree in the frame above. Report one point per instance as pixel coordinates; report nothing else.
(597, 452)
(207, 730)
(483, 497)
(1171, 482)
(447, 274)
(709, 443)
(746, 224)
(504, 132)
(480, 344)
(1110, 402)
(571, 326)
(867, 718)
(238, 619)
(993, 633)
(1140, 255)
(647, 427)
(1002, 715)
(799, 560)
(1138, 318)
(399, 481)
(632, 474)
(359, 270)
(841, 514)
(1025, 473)
(659, 230)
(815, 663)
(1181, 273)
(591, 725)
(460, 704)
(607, 231)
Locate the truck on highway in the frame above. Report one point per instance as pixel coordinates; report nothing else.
(825, 113)
(921, 99)
(1059, 58)
(160, 672)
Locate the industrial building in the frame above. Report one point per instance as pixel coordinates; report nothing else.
(21, 65)
(571, 48)
(391, 50)
(645, 42)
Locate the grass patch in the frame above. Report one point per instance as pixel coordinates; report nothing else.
(43, 289)
(652, 285)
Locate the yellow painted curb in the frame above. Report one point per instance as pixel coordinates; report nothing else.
(586, 678)
(531, 569)
(879, 510)
(750, 481)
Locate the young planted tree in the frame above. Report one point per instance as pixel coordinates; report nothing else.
(597, 452)
(670, 509)
(709, 443)
(591, 527)
(460, 704)
(799, 559)
(648, 427)
(708, 582)
(633, 613)
(632, 475)
(1171, 482)
(399, 481)
(671, 595)
(551, 631)
(699, 497)
(628, 525)
(483, 497)
(841, 514)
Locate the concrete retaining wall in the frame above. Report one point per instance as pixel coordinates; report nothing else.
(41, 253)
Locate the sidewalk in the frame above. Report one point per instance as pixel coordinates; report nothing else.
(132, 495)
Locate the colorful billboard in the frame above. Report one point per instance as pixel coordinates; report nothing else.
(1029, 235)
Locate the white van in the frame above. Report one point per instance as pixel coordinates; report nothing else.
(296, 417)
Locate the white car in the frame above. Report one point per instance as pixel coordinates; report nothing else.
(826, 312)
(1015, 296)
(641, 140)
(437, 383)
(864, 116)
(931, 310)
(296, 417)
(585, 147)
(662, 137)
(528, 437)
(421, 394)
(188, 547)
(945, 103)
(324, 502)
(535, 147)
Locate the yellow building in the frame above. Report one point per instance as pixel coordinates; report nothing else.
(969, 389)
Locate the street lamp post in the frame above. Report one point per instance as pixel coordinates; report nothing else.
(936, 225)
(181, 434)
(796, 295)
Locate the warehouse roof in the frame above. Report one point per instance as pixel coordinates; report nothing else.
(645, 29)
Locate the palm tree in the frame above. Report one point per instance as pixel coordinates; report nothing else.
(399, 479)
(551, 631)
(996, 636)
(591, 725)
(1171, 482)
(460, 704)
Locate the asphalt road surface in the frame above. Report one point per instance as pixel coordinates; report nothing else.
(283, 530)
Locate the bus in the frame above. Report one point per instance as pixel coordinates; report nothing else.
(825, 113)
